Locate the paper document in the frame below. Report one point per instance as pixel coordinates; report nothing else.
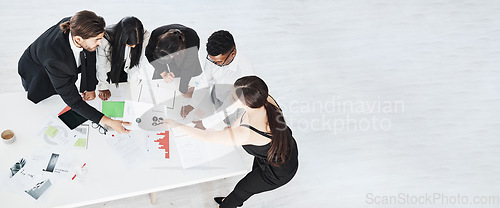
(193, 152)
(133, 112)
(156, 94)
(33, 176)
(120, 93)
(55, 133)
(127, 147)
(152, 119)
(158, 145)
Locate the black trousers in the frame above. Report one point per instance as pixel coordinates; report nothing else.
(252, 183)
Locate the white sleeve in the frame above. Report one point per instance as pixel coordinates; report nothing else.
(145, 42)
(103, 66)
(206, 80)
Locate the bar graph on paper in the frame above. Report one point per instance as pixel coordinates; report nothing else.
(163, 143)
(158, 145)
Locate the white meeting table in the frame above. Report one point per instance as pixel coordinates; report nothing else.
(107, 178)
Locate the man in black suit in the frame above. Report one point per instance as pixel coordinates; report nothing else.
(51, 65)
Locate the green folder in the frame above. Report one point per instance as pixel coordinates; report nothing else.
(113, 108)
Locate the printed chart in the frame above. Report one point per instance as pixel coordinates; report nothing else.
(55, 133)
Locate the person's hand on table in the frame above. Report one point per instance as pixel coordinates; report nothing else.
(189, 93)
(185, 110)
(116, 125)
(199, 125)
(88, 95)
(167, 77)
(104, 94)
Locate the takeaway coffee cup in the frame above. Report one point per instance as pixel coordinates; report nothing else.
(8, 136)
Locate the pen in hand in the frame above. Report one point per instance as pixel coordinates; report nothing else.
(183, 115)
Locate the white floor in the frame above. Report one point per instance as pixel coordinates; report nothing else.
(386, 98)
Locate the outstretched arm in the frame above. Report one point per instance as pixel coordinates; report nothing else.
(232, 136)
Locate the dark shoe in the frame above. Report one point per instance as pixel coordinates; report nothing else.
(219, 199)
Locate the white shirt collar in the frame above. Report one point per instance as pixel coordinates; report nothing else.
(76, 51)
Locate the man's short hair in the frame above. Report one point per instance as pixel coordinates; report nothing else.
(220, 42)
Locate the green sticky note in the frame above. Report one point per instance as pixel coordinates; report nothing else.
(113, 108)
(51, 131)
(82, 142)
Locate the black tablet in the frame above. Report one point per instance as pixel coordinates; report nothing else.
(72, 119)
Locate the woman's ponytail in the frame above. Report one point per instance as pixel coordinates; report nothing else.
(253, 92)
(280, 142)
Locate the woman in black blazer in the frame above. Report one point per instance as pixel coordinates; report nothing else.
(173, 52)
(51, 65)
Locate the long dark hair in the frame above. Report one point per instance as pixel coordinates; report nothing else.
(170, 42)
(254, 92)
(128, 30)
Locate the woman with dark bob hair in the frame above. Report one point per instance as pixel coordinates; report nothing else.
(263, 133)
(120, 54)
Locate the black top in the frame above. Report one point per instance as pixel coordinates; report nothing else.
(48, 67)
(265, 134)
(272, 174)
(190, 65)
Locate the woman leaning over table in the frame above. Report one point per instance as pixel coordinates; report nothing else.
(120, 55)
(263, 133)
(173, 52)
